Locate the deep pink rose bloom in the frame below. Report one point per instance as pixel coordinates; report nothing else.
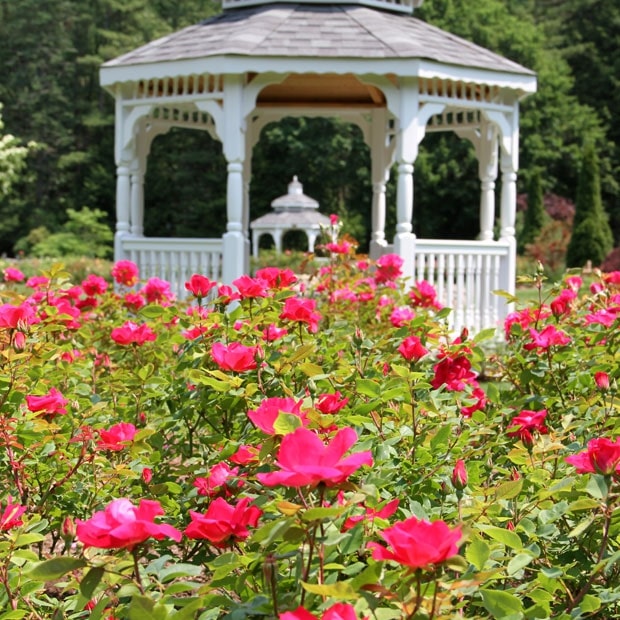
(216, 480)
(273, 332)
(49, 405)
(459, 475)
(602, 380)
(125, 272)
(550, 336)
(245, 455)
(121, 525)
(417, 544)
(276, 278)
(412, 349)
(134, 301)
(388, 268)
(601, 457)
(10, 517)
(147, 475)
(94, 285)
(157, 291)
(562, 303)
(131, 333)
(117, 437)
(331, 403)
(251, 288)
(424, 295)
(235, 356)
(301, 310)
(453, 372)
(525, 318)
(17, 317)
(385, 512)
(526, 423)
(12, 274)
(401, 316)
(344, 247)
(338, 611)
(304, 460)
(224, 523)
(613, 277)
(268, 411)
(480, 401)
(200, 286)
(604, 317)
(38, 282)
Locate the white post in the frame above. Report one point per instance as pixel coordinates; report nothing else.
(233, 139)
(380, 172)
(509, 164)
(137, 199)
(123, 191)
(487, 170)
(409, 136)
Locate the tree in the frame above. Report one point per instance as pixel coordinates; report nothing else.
(12, 160)
(592, 238)
(535, 212)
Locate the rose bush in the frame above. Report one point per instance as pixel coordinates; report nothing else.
(289, 450)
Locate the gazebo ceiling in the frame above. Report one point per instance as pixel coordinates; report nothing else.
(321, 90)
(324, 39)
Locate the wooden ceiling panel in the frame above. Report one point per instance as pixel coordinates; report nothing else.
(317, 90)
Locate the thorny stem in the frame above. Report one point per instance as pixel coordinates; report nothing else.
(136, 569)
(312, 542)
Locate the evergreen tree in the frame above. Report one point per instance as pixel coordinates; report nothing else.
(535, 213)
(592, 238)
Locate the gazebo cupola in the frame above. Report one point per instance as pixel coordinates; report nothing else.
(368, 62)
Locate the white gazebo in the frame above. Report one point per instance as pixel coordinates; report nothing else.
(369, 62)
(292, 211)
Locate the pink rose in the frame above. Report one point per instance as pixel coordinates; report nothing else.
(121, 525)
(49, 405)
(235, 356)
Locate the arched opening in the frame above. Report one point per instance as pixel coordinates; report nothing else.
(185, 186)
(330, 158)
(295, 240)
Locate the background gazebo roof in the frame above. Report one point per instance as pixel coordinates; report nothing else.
(325, 31)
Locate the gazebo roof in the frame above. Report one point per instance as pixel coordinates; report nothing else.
(337, 31)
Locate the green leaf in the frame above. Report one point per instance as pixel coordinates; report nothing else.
(152, 311)
(501, 604)
(91, 581)
(506, 537)
(310, 370)
(25, 540)
(441, 437)
(55, 568)
(509, 489)
(16, 614)
(589, 603)
(142, 607)
(316, 514)
(597, 486)
(340, 590)
(519, 562)
(286, 423)
(477, 553)
(368, 387)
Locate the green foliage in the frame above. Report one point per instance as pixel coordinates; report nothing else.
(592, 238)
(83, 234)
(535, 215)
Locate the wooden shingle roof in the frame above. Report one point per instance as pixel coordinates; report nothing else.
(317, 31)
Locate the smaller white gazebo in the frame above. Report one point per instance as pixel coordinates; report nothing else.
(292, 211)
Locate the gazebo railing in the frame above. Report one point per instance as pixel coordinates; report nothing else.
(465, 274)
(175, 259)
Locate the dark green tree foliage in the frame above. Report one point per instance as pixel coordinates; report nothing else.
(535, 215)
(592, 238)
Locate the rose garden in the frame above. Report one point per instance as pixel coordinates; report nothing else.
(306, 449)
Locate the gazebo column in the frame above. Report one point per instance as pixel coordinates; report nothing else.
(137, 196)
(277, 240)
(487, 169)
(234, 239)
(509, 164)
(312, 236)
(409, 136)
(380, 172)
(123, 201)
